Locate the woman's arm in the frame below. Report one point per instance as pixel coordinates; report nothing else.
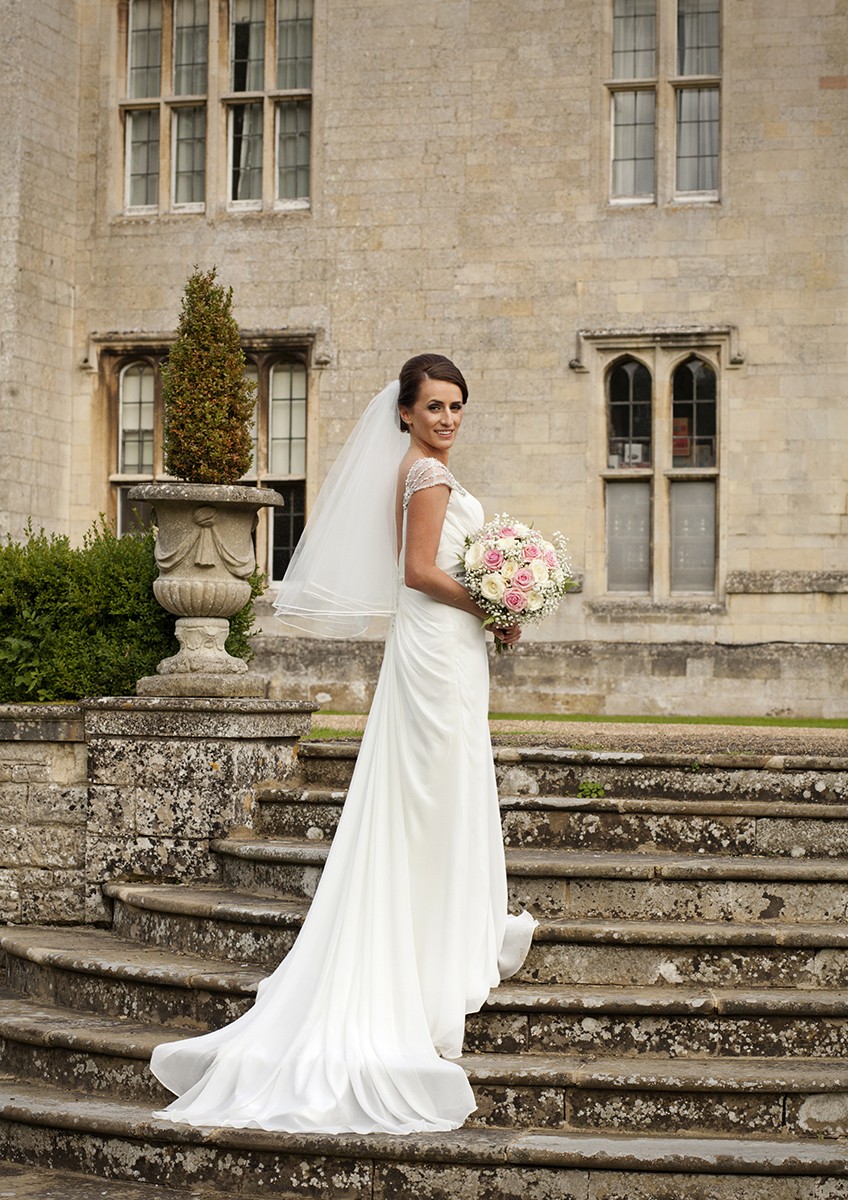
(425, 517)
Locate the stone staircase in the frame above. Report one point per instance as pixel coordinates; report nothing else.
(680, 1028)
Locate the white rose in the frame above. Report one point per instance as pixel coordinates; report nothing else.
(558, 576)
(534, 601)
(546, 547)
(540, 570)
(492, 587)
(474, 557)
(508, 545)
(508, 570)
(521, 530)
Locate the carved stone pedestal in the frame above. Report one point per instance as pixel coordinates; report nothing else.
(204, 551)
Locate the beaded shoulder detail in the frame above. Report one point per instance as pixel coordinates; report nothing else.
(427, 473)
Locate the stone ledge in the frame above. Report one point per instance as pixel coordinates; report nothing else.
(53, 1109)
(765, 583)
(41, 723)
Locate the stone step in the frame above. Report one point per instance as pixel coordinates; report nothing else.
(216, 923)
(109, 1056)
(630, 1022)
(558, 771)
(707, 826)
(121, 1140)
(94, 971)
(207, 921)
(619, 886)
(702, 953)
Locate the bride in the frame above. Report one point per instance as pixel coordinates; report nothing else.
(408, 931)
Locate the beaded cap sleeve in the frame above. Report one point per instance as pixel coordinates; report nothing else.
(427, 473)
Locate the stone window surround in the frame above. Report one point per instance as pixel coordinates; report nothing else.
(666, 85)
(109, 353)
(217, 103)
(661, 350)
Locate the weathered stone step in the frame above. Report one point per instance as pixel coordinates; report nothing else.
(208, 921)
(94, 971)
(50, 1126)
(217, 923)
(704, 953)
(619, 886)
(672, 1022)
(553, 771)
(92, 1052)
(110, 1056)
(711, 826)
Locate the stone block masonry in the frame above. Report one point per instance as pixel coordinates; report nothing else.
(127, 788)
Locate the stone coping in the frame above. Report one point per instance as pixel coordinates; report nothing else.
(52, 1108)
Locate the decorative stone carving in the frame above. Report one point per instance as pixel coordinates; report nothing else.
(204, 552)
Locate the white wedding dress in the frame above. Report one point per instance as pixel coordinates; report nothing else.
(408, 930)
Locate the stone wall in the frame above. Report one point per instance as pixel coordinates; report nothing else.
(616, 678)
(127, 788)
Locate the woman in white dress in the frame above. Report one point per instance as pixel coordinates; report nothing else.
(408, 931)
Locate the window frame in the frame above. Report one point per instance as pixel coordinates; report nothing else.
(662, 351)
(217, 102)
(667, 84)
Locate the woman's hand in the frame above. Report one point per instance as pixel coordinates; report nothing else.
(507, 635)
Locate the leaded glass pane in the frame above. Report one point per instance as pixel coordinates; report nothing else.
(694, 415)
(633, 143)
(693, 528)
(143, 155)
(293, 149)
(697, 139)
(191, 37)
(252, 375)
(628, 536)
(287, 420)
(698, 37)
(288, 523)
(247, 48)
(634, 35)
(294, 43)
(135, 450)
(190, 155)
(629, 415)
(145, 49)
(246, 150)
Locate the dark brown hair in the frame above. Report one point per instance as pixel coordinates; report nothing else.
(426, 366)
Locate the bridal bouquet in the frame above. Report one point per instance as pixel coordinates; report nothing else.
(514, 574)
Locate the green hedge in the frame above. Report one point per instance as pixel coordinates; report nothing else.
(85, 622)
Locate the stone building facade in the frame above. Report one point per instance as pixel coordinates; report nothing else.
(625, 219)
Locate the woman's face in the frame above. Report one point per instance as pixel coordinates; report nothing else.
(436, 415)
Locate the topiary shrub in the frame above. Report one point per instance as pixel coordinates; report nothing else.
(208, 403)
(84, 622)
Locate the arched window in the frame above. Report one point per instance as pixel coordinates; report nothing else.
(693, 392)
(135, 444)
(629, 415)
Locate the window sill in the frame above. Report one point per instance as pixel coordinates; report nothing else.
(645, 472)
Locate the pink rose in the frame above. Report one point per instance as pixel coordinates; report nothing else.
(515, 600)
(524, 579)
(531, 551)
(551, 559)
(493, 559)
(507, 531)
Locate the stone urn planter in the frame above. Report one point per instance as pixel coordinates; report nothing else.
(205, 555)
